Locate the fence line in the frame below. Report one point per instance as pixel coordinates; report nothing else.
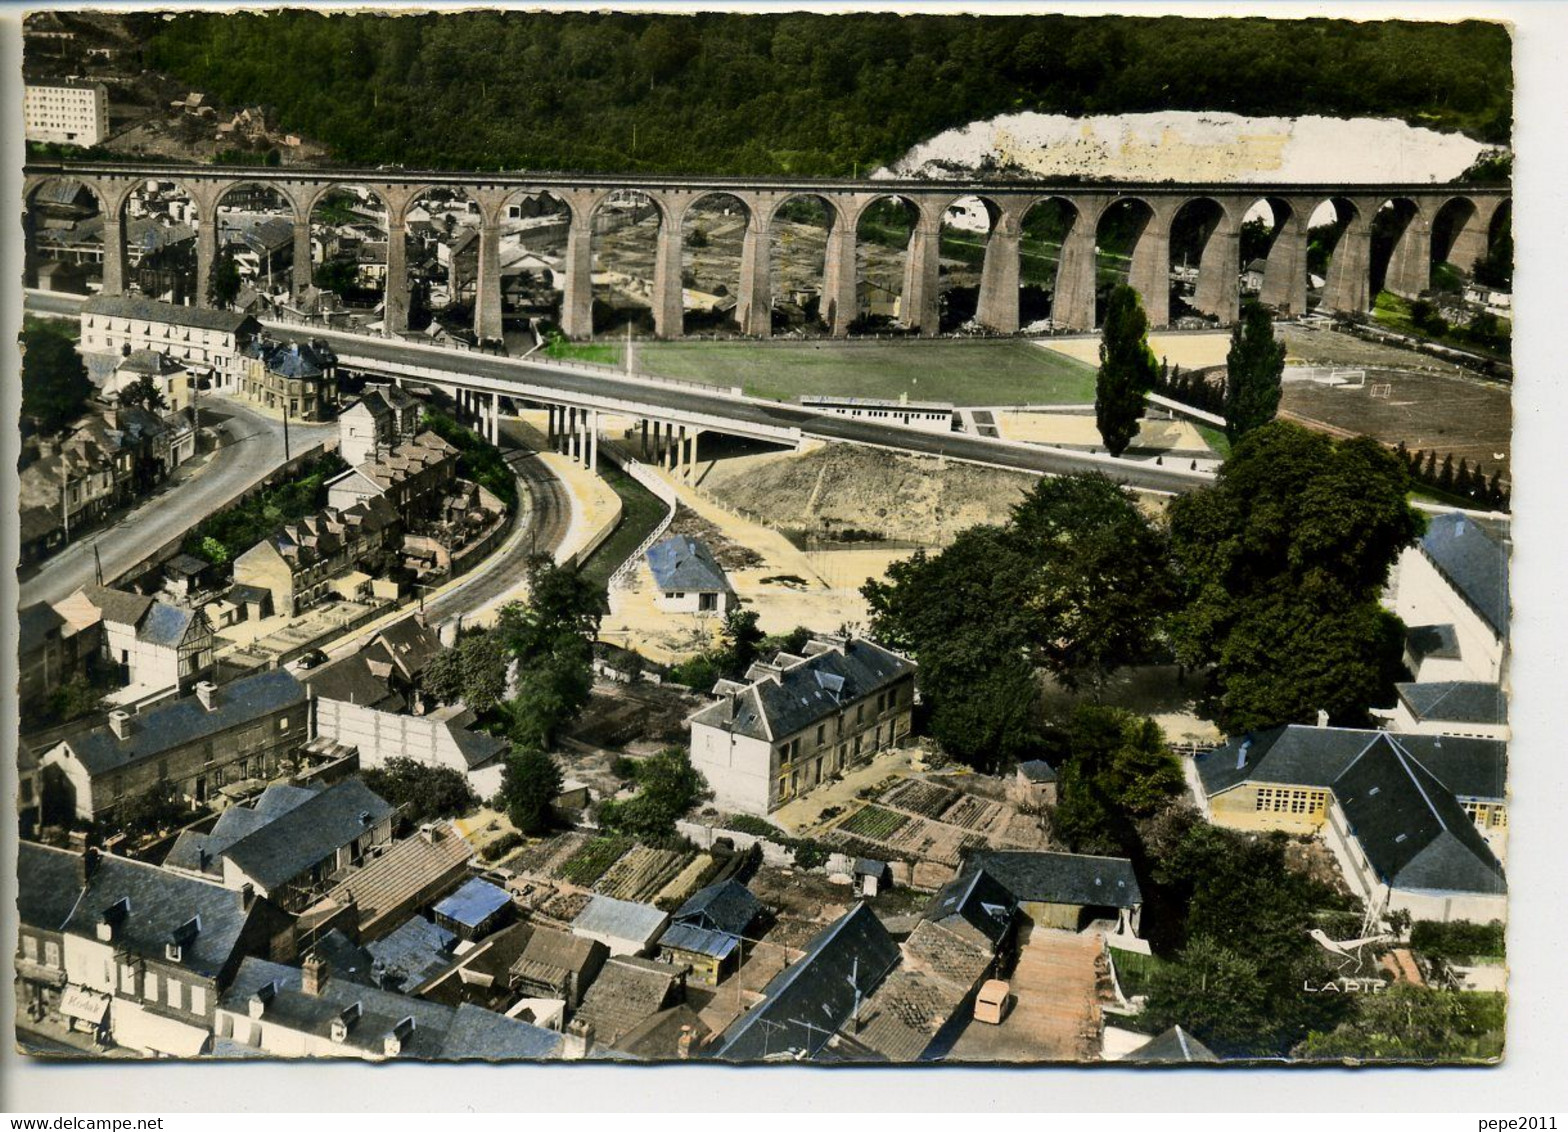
(660, 488)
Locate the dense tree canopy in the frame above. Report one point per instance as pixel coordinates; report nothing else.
(1073, 583)
(796, 93)
(1117, 771)
(667, 787)
(1282, 563)
(55, 386)
(424, 792)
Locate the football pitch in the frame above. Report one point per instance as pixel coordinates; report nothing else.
(1009, 372)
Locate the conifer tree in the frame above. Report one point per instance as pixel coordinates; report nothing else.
(1127, 370)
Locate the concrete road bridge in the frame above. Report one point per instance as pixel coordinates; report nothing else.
(671, 415)
(1418, 225)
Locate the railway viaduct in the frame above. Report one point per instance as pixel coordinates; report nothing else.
(1431, 223)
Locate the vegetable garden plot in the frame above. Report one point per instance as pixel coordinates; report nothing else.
(641, 873)
(972, 812)
(928, 799)
(874, 822)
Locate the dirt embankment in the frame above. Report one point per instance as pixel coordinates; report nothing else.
(836, 490)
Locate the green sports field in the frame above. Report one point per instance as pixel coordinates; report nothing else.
(963, 372)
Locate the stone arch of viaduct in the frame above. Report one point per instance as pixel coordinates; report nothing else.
(1469, 211)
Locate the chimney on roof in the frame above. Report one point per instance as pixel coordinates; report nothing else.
(427, 834)
(120, 723)
(314, 975)
(247, 893)
(1322, 718)
(207, 693)
(683, 1043)
(578, 1040)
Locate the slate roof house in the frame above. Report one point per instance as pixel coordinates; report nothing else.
(1452, 589)
(300, 379)
(246, 729)
(152, 644)
(687, 578)
(291, 843)
(383, 417)
(1283, 778)
(800, 720)
(807, 1002)
(1407, 816)
(707, 933)
(557, 964)
(117, 324)
(302, 562)
(1072, 891)
(304, 1012)
(146, 952)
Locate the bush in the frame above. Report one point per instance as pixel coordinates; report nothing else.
(1460, 940)
(623, 768)
(477, 458)
(746, 823)
(502, 845)
(809, 854)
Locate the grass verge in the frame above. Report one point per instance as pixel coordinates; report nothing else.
(641, 511)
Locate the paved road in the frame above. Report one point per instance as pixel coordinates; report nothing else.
(255, 449)
(540, 529)
(755, 411)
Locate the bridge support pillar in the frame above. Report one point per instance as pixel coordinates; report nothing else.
(593, 440)
(1219, 269)
(644, 449)
(1349, 285)
(206, 253)
(394, 314)
(920, 303)
(495, 419)
(1285, 273)
(998, 305)
(114, 260)
(487, 293)
(840, 302)
(1150, 273)
(755, 309)
(577, 284)
(669, 315)
(669, 446)
(1410, 267)
(302, 264)
(1072, 300)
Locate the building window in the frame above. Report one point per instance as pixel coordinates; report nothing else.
(173, 994)
(30, 948)
(198, 1000)
(822, 734)
(150, 986)
(51, 953)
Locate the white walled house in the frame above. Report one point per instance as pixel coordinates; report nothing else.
(153, 644)
(801, 720)
(122, 324)
(1451, 588)
(687, 579)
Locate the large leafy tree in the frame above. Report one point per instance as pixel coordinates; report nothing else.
(1117, 772)
(1097, 579)
(1281, 564)
(1253, 369)
(55, 386)
(425, 792)
(530, 783)
(1074, 583)
(1127, 369)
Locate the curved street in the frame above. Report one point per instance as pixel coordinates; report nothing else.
(253, 449)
